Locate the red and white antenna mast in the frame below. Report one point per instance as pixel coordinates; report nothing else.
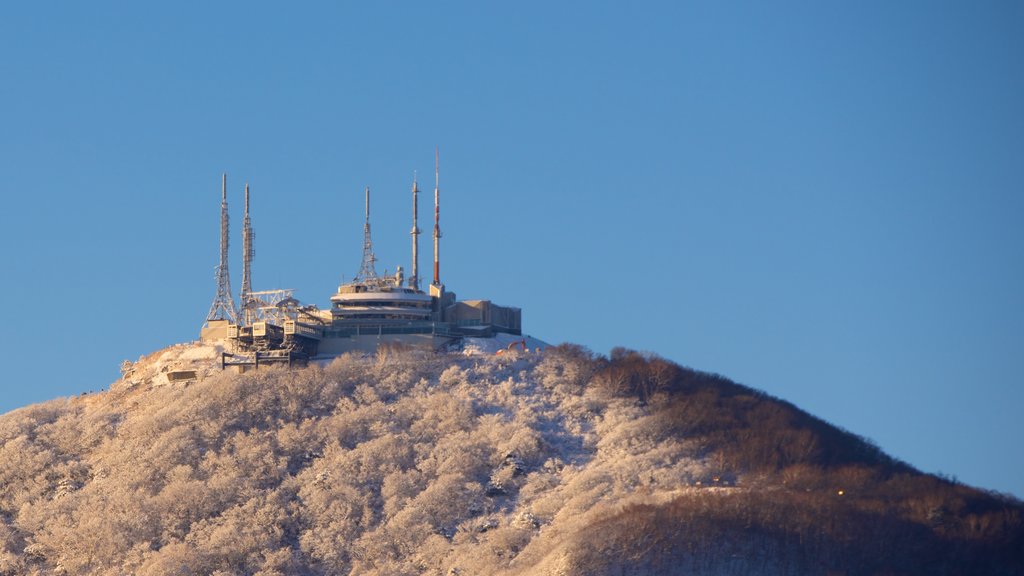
(437, 221)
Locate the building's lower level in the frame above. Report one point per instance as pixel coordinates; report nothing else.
(325, 334)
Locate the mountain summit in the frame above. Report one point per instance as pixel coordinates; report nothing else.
(410, 462)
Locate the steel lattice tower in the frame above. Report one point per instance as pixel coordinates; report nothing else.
(366, 270)
(223, 307)
(248, 254)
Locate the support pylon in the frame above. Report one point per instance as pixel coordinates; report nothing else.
(223, 307)
(248, 253)
(414, 279)
(366, 270)
(437, 222)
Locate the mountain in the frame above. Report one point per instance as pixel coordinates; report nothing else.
(406, 462)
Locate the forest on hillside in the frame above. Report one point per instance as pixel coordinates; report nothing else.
(406, 462)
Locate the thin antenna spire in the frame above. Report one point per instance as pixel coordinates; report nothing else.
(366, 270)
(414, 279)
(223, 307)
(437, 219)
(248, 253)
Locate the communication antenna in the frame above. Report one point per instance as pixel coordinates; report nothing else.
(437, 220)
(414, 279)
(248, 254)
(223, 307)
(366, 270)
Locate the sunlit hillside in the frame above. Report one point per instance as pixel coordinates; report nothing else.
(560, 462)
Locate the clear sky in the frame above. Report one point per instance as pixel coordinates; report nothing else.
(823, 200)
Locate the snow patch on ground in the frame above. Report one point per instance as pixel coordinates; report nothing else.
(203, 358)
(490, 346)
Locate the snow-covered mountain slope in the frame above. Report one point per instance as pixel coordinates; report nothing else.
(551, 462)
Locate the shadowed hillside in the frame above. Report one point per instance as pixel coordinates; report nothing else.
(414, 463)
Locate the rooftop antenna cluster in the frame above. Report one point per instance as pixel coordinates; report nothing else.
(223, 307)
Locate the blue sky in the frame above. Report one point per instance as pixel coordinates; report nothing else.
(822, 200)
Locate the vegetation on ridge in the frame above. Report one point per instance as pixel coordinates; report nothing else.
(412, 463)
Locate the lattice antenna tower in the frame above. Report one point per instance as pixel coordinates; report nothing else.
(366, 270)
(223, 307)
(248, 254)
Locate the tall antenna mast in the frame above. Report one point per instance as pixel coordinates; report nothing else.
(437, 221)
(414, 280)
(248, 253)
(223, 307)
(366, 270)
